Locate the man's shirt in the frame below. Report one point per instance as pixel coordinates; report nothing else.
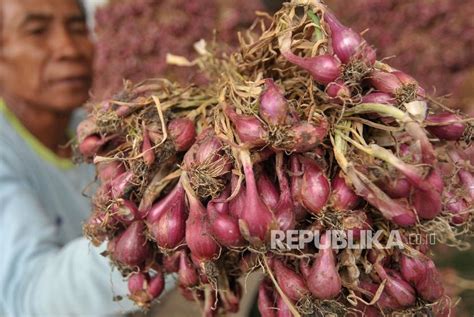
(46, 267)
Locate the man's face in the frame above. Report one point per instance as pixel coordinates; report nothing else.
(45, 53)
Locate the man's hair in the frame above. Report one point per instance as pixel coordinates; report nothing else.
(80, 4)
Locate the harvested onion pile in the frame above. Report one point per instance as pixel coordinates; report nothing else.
(301, 129)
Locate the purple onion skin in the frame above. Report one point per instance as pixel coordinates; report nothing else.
(307, 136)
(407, 79)
(198, 236)
(284, 212)
(174, 199)
(355, 221)
(266, 301)
(107, 171)
(169, 229)
(451, 130)
(342, 196)
(396, 188)
(282, 308)
(90, 146)
(268, 191)
(396, 287)
(412, 269)
(224, 227)
(458, 207)
(346, 43)
(238, 203)
(120, 184)
(324, 272)
(385, 82)
(126, 211)
(248, 128)
(132, 248)
(256, 216)
(385, 301)
(315, 187)
(187, 274)
(427, 201)
(430, 288)
(296, 178)
(182, 132)
(323, 68)
(156, 285)
(337, 91)
(273, 105)
(291, 283)
(378, 97)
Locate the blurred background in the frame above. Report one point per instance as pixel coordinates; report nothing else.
(432, 40)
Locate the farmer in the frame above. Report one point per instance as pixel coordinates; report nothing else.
(46, 267)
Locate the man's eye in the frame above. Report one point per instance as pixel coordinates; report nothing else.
(78, 28)
(37, 31)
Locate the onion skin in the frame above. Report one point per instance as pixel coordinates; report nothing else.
(167, 220)
(422, 274)
(268, 191)
(182, 132)
(91, 145)
(86, 128)
(346, 43)
(198, 235)
(273, 105)
(144, 289)
(156, 285)
(291, 283)
(315, 187)
(396, 287)
(379, 97)
(238, 203)
(282, 308)
(396, 211)
(132, 248)
(106, 171)
(121, 184)
(225, 229)
(324, 272)
(355, 221)
(385, 301)
(231, 296)
(296, 172)
(399, 187)
(451, 129)
(147, 149)
(266, 302)
(385, 82)
(430, 288)
(187, 274)
(256, 216)
(307, 136)
(125, 212)
(458, 207)
(407, 79)
(427, 201)
(284, 212)
(248, 128)
(171, 262)
(323, 68)
(342, 196)
(337, 90)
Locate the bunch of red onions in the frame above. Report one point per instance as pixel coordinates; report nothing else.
(195, 181)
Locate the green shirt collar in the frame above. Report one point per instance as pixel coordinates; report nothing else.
(42, 151)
